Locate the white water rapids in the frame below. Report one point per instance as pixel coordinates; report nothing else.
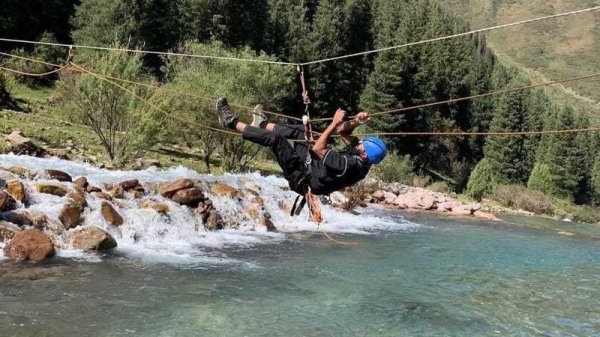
(180, 237)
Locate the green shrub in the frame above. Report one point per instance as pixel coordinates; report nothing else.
(126, 126)
(421, 181)
(5, 98)
(540, 179)
(519, 197)
(481, 181)
(439, 186)
(395, 168)
(356, 195)
(244, 85)
(46, 53)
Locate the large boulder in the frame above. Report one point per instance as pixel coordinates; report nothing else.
(129, 184)
(17, 190)
(8, 230)
(79, 197)
(50, 188)
(70, 215)
(54, 175)
(169, 190)
(30, 244)
(224, 190)
(158, 207)
(26, 218)
(24, 146)
(189, 196)
(81, 182)
(7, 203)
(91, 238)
(110, 214)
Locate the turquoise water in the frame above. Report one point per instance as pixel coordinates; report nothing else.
(448, 277)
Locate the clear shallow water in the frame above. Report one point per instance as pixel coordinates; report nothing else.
(448, 277)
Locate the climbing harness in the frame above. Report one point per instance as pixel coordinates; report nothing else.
(303, 189)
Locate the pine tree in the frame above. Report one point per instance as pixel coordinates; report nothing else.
(481, 181)
(560, 152)
(509, 155)
(541, 179)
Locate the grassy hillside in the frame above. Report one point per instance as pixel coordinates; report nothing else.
(546, 50)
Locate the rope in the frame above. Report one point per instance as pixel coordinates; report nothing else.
(311, 62)
(104, 78)
(126, 50)
(454, 36)
(69, 57)
(451, 134)
(501, 133)
(337, 241)
(493, 93)
(206, 98)
(14, 71)
(35, 75)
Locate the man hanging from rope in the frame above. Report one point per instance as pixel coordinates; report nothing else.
(317, 170)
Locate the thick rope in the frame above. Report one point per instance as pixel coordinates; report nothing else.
(455, 35)
(132, 82)
(32, 74)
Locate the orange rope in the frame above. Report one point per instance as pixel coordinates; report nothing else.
(337, 241)
(135, 83)
(432, 133)
(34, 75)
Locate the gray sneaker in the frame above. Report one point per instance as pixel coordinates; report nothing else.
(259, 118)
(227, 118)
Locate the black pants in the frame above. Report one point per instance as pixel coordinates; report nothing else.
(291, 158)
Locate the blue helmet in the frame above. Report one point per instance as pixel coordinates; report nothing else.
(375, 149)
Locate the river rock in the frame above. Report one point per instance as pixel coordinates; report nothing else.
(266, 221)
(70, 215)
(79, 197)
(92, 189)
(50, 188)
(110, 214)
(129, 184)
(26, 218)
(30, 244)
(169, 190)
(212, 221)
(81, 182)
(251, 213)
(117, 192)
(91, 239)
(448, 205)
(147, 162)
(54, 175)
(21, 172)
(223, 190)
(17, 190)
(102, 195)
(158, 207)
(7, 202)
(189, 196)
(8, 231)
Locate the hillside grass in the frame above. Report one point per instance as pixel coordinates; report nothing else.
(547, 50)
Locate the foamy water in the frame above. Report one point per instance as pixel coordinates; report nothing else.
(180, 237)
